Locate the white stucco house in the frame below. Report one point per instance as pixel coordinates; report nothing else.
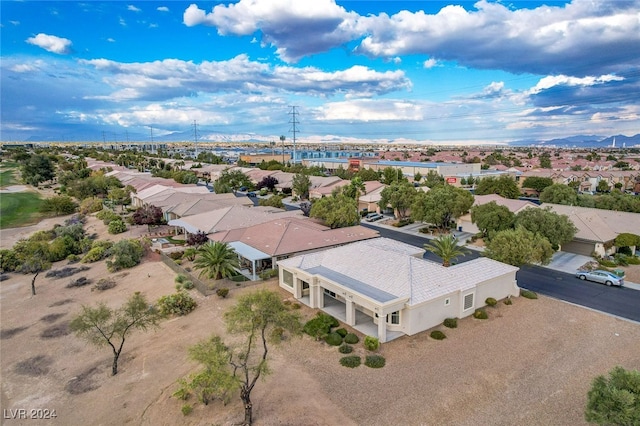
(383, 278)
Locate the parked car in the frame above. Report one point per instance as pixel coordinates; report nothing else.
(372, 217)
(602, 277)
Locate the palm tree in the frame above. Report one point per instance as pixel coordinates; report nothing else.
(217, 260)
(358, 188)
(445, 247)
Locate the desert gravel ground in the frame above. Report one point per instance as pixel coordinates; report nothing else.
(530, 363)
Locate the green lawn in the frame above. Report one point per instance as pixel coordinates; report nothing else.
(19, 209)
(7, 174)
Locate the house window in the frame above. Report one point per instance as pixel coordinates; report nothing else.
(287, 278)
(447, 301)
(330, 293)
(468, 301)
(393, 317)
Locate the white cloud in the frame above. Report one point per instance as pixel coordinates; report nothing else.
(563, 80)
(132, 8)
(542, 40)
(431, 63)
(111, 40)
(367, 110)
(172, 77)
(51, 43)
(281, 22)
(15, 23)
(162, 9)
(122, 22)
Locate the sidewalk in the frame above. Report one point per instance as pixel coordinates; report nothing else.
(561, 261)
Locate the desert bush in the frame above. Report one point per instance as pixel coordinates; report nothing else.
(508, 301)
(58, 330)
(38, 365)
(528, 294)
(180, 278)
(633, 260)
(277, 334)
(73, 258)
(490, 301)
(333, 339)
(9, 260)
(126, 254)
(371, 343)
(222, 292)
(65, 272)
(117, 227)
(351, 361)
(179, 303)
(480, 314)
(351, 339)
(607, 263)
(80, 282)
(320, 326)
(104, 284)
(450, 322)
(345, 349)
(95, 254)
(91, 205)
(190, 253)
(186, 409)
(188, 285)
(342, 332)
(374, 361)
(438, 335)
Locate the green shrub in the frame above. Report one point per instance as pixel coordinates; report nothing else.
(180, 278)
(186, 409)
(342, 332)
(320, 326)
(334, 339)
(188, 285)
(491, 301)
(73, 258)
(176, 255)
(91, 205)
(480, 314)
(438, 335)
(107, 216)
(528, 294)
(607, 263)
(351, 339)
(268, 274)
(179, 303)
(371, 343)
(451, 322)
(95, 254)
(633, 260)
(117, 227)
(296, 305)
(351, 361)
(374, 361)
(345, 349)
(222, 292)
(508, 301)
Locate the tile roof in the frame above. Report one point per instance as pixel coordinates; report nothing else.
(514, 206)
(598, 224)
(391, 267)
(232, 217)
(288, 235)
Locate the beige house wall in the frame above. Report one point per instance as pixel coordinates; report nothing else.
(413, 319)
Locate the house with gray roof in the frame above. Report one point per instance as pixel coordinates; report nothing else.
(386, 288)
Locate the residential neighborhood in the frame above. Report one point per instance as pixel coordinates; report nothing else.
(399, 253)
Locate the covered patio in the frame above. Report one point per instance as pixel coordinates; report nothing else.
(253, 258)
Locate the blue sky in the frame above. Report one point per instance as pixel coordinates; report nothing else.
(382, 71)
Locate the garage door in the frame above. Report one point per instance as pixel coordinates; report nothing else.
(578, 247)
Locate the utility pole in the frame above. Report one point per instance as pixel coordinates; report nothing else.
(195, 138)
(294, 122)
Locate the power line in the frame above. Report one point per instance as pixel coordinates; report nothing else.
(294, 122)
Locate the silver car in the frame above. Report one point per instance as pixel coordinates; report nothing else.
(602, 277)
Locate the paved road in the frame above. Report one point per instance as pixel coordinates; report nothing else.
(622, 302)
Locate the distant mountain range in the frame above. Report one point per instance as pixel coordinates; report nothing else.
(580, 141)
(583, 141)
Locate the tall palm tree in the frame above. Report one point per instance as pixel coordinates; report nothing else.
(217, 260)
(446, 248)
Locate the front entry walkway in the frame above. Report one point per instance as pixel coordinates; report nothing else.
(364, 323)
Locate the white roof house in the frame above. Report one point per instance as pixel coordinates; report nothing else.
(383, 278)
